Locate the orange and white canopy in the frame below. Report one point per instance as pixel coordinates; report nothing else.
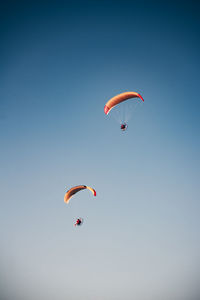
(76, 189)
(120, 98)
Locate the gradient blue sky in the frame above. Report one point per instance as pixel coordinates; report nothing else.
(60, 62)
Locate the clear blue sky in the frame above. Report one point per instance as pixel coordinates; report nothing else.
(60, 63)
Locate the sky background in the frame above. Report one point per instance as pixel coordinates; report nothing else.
(59, 64)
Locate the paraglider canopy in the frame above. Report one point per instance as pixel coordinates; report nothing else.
(120, 98)
(75, 190)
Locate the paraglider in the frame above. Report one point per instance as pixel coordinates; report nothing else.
(71, 192)
(79, 222)
(116, 100)
(123, 126)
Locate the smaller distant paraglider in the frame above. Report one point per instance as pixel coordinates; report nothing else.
(79, 222)
(71, 192)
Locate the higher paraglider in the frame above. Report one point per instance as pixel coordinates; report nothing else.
(124, 111)
(75, 190)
